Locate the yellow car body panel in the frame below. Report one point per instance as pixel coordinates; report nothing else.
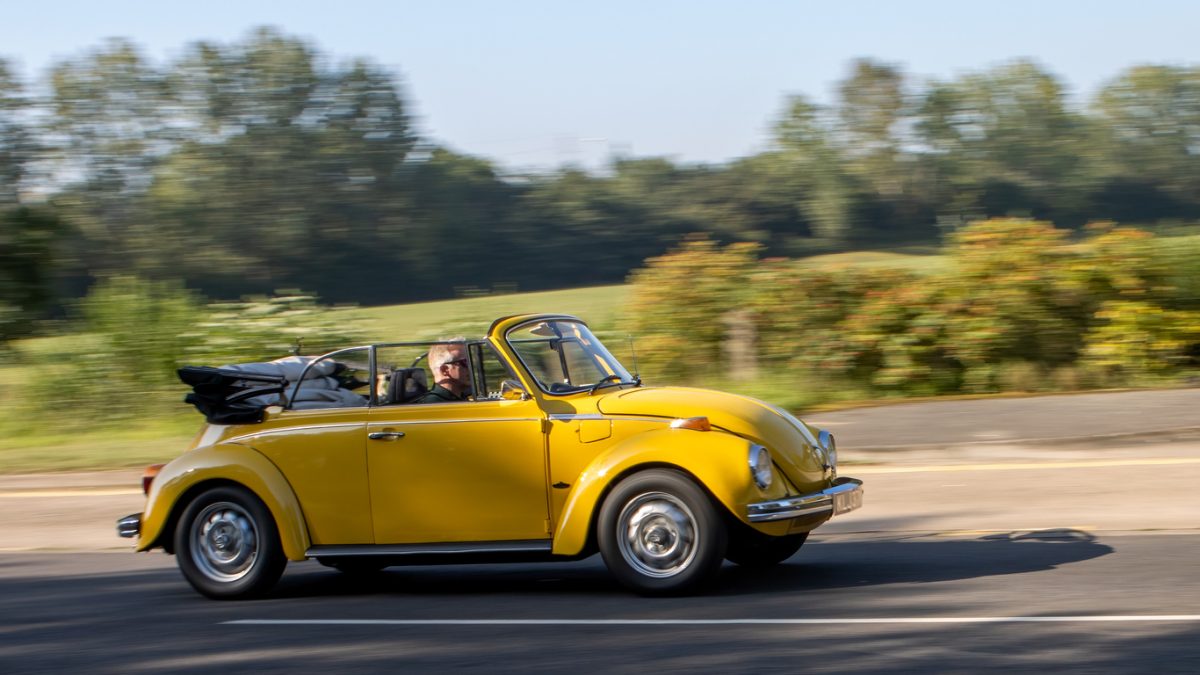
(458, 471)
(323, 454)
(717, 461)
(224, 463)
(792, 445)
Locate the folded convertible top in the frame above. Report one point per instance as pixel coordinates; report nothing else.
(230, 396)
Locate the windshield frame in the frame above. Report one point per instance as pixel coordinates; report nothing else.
(595, 350)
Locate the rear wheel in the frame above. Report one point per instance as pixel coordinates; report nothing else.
(757, 550)
(227, 545)
(660, 534)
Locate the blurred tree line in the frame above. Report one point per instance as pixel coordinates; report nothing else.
(241, 168)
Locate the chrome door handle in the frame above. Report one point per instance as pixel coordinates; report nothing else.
(385, 435)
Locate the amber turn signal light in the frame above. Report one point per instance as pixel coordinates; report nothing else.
(693, 423)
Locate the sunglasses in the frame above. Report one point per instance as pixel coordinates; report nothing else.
(461, 363)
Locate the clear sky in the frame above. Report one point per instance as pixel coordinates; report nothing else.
(534, 84)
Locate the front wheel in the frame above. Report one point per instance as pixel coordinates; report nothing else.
(227, 544)
(660, 534)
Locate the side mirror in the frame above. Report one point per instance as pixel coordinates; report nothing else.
(511, 390)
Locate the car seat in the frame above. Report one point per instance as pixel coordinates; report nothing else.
(406, 385)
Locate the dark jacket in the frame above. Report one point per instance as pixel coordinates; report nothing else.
(439, 394)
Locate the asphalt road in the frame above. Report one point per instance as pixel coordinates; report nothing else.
(1002, 421)
(1066, 566)
(886, 604)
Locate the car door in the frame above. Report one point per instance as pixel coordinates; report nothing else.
(319, 445)
(468, 471)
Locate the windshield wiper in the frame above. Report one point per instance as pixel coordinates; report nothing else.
(607, 379)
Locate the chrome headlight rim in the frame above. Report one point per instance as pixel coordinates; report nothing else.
(760, 466)
(829, 446)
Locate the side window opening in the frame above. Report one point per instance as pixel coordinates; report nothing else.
(402, 373)
(489, 372)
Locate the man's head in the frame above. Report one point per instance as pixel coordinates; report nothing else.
(448, 361)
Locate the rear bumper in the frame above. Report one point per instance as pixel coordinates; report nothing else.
(130, 526)
(844, 496)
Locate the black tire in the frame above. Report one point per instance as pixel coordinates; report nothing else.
(660, 534)
(758, 551)
(227, 544)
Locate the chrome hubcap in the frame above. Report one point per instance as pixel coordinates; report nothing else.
(657, 534)
(224, 542)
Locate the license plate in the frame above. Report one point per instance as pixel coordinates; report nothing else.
(844, 502)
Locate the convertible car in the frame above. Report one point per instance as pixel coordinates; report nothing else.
(555, 452)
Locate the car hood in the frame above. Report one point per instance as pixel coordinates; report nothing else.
(792, 443)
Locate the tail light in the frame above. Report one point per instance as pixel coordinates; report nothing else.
(148, 476)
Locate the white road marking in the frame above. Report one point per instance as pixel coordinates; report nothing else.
(717, 622)
(77, 492)
(1014, 466)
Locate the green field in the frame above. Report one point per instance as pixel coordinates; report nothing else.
(470, 317)
(917, 259)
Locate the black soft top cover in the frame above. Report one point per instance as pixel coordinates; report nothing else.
(224, 396)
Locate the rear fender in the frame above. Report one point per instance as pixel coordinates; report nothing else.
(224, 463)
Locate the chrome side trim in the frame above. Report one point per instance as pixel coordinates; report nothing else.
(400, 423)
(524, 546)
(803, 505)
(570, 417)
(130, 526)
(288, 430)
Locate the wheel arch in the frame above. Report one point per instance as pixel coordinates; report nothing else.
(231, 465)
(715, 465)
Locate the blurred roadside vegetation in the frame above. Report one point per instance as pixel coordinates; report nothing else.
(103, 391)
(893, 243)
(109, 378)
(1012, 305)
(1009, 305)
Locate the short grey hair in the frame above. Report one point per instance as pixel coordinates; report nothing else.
(446, 351)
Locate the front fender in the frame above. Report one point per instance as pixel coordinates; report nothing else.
(717, 460)
(225, 462)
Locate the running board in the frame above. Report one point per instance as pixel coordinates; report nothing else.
(542, 546)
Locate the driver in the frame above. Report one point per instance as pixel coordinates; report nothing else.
(448, 361)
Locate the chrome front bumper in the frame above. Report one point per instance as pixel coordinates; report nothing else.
(845, 496)
(130, 526)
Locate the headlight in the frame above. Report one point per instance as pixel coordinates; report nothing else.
(760, 466)
(830, 447)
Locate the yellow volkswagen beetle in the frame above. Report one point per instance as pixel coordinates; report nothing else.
(554, 452)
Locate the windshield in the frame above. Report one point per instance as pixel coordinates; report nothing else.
(564, 356)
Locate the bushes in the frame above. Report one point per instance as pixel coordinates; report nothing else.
(132, 334)
(678, 301)
(1135, 341)
(1018, 307)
